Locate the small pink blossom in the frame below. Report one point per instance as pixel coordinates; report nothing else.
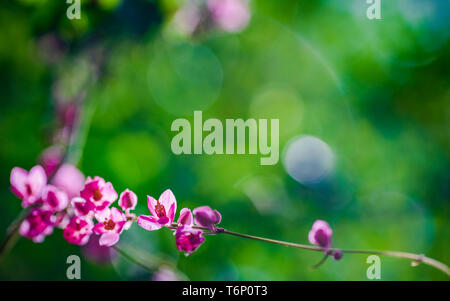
(82, 207)
(230, 15)
(54, 199)
(127, 200)
(78, 230)
(185, 217)
(70, 179)
(111, 223)
(28, 185)
(50, 159)
(320, 234)
(162, 210)
(337, 254)
(188, 239)
(37, 225)
(207, 217)
(98, 192)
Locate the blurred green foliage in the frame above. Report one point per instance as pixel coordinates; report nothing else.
(377, 92)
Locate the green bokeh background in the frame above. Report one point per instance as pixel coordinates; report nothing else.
(376, 91)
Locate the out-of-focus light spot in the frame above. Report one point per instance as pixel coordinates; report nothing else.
(109, 4)
(185, 77)
(278, 102)
(430, 20)
(308, 159)
(230, 15)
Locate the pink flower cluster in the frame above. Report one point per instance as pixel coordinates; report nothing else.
(48, 202)
(71, 206)
(82, 208)
(187, 237)
(86, 211)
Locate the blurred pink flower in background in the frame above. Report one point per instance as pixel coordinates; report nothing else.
(95, 252)
(230, 15)
(51, 158)
(28, 185)
(70, 179)
(166, 274)
(68, 113)
(51, 48)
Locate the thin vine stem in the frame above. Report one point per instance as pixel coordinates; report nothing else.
(416, 258)
(132, 259)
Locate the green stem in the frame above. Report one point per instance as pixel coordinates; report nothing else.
(131, 258)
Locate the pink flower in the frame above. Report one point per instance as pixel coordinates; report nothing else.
(185, 217)
(54, 199)
(206, 217)
(37, 225)
(78, 230)
(188, 239)
(320, 234)
(82, 207)
(111, 222)
(127, 200)
(28, 185)
(162, 210)
(70, 179)
(100, 193)
(230, 15)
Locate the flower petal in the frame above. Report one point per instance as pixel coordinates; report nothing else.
(117, 215)
(82, 207)
(127, 200)
(109, 239)
(185, 217)
(18, 180)
(103, 215)
(151, 203)
(167, 199)
(149, 223)
(99, 228)
(37, 178)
